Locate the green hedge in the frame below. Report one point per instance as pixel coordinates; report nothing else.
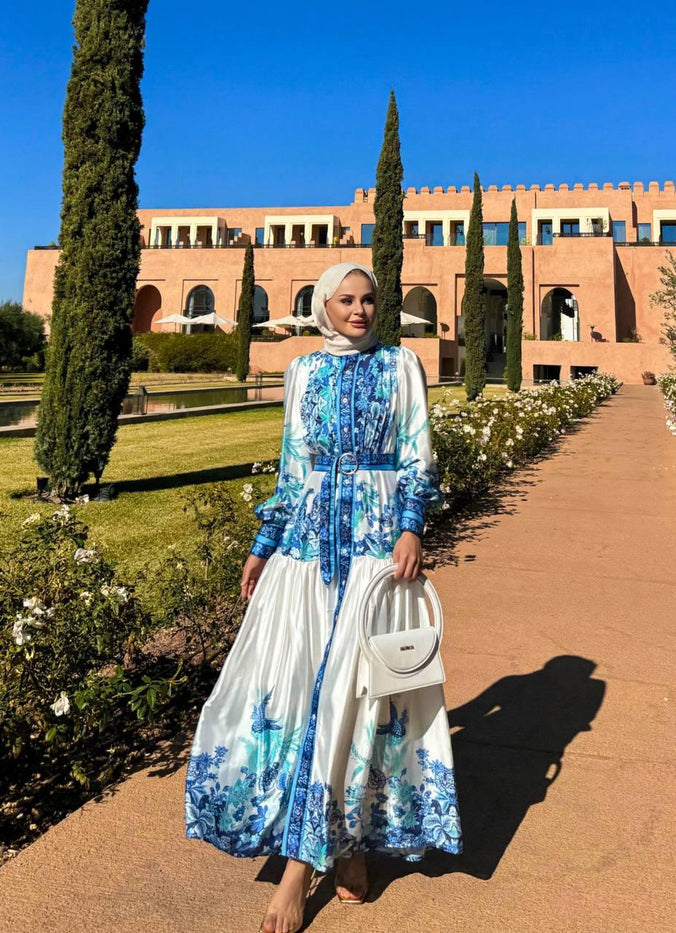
(185, 353)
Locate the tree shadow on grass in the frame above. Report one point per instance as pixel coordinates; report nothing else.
(178, 480)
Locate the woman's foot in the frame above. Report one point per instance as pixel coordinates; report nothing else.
(351, 879)
(285, 911)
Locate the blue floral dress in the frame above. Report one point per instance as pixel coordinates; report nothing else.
(286, 759)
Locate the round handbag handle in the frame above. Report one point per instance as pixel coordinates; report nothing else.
(362, 613)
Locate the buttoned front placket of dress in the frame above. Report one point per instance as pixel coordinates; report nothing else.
(286, 759)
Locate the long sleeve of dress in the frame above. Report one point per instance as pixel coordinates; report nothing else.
(417, 475)
(295, 465)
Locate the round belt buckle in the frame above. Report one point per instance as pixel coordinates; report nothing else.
(346, 469)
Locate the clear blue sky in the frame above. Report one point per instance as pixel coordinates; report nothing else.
(283, 104)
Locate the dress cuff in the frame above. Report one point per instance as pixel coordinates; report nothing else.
(412, 517)
(266, 541)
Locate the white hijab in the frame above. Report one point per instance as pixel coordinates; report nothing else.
(335, 343)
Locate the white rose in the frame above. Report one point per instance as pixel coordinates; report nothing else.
(20, 637)
(61, 706)
(122, 594)
(32, 519)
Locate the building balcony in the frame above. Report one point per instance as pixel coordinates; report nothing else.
(576, 234)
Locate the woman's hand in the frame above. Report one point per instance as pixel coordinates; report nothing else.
(250, 574)
(407, 555)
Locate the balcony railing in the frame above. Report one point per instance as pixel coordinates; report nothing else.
(194, 245)
(313, 245)
(255, 246)
(595, 233)
(662, 243)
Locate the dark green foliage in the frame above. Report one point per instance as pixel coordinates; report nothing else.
(89, 353)
(140, 356)
(245, 315)
(22, 338)
(474, 307)
(388, 246)
(190, 353)
(514, 304)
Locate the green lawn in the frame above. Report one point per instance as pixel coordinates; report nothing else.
(136, 527)
(139, 525)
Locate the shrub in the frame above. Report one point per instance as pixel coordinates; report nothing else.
(91, 666)
(200, 593)
(65, 615)
(667, 385)
(22, 338)
(188, 353)
(476, 443)
(140, 356)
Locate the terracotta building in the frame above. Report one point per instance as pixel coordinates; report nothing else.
(590, 261)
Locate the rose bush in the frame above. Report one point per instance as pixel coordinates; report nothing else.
(65, 615)
(475, 443)
(667, 384)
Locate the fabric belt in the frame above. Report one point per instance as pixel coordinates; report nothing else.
(347, 463)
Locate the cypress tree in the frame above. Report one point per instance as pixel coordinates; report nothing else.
(514, 304)
(245, 314)
(474, 305)
(89, 354)
(388, 245)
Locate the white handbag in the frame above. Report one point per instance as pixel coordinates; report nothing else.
(396, 662)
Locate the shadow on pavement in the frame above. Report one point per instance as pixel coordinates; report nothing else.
(508, 746)
(508, 751)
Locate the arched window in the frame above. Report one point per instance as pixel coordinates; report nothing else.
(420, 302)
(560, 316)
(200, 301)
(303, 304)
(261, 312)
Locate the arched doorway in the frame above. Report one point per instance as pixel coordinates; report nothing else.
(200, 301)
(261, 312)
(303, 303)
(146, 306)
(421, 302)
(495, 320)
(560, 316)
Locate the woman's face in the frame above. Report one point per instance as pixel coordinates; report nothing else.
(352, 307)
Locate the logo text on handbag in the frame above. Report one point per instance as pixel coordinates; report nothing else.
(407, 648)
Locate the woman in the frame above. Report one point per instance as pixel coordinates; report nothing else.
(285, 758)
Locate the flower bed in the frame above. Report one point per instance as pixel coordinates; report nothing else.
(667, 384)
(92, 675)
(475, 443)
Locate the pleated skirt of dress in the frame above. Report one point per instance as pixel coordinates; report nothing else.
(286, 759)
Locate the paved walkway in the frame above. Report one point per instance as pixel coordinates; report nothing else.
(560, 615)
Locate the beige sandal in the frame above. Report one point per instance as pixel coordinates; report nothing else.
(359, 899)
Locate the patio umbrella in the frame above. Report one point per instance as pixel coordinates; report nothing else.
(407, 319)
(290, 321)
(211, 318)
(174, 319)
